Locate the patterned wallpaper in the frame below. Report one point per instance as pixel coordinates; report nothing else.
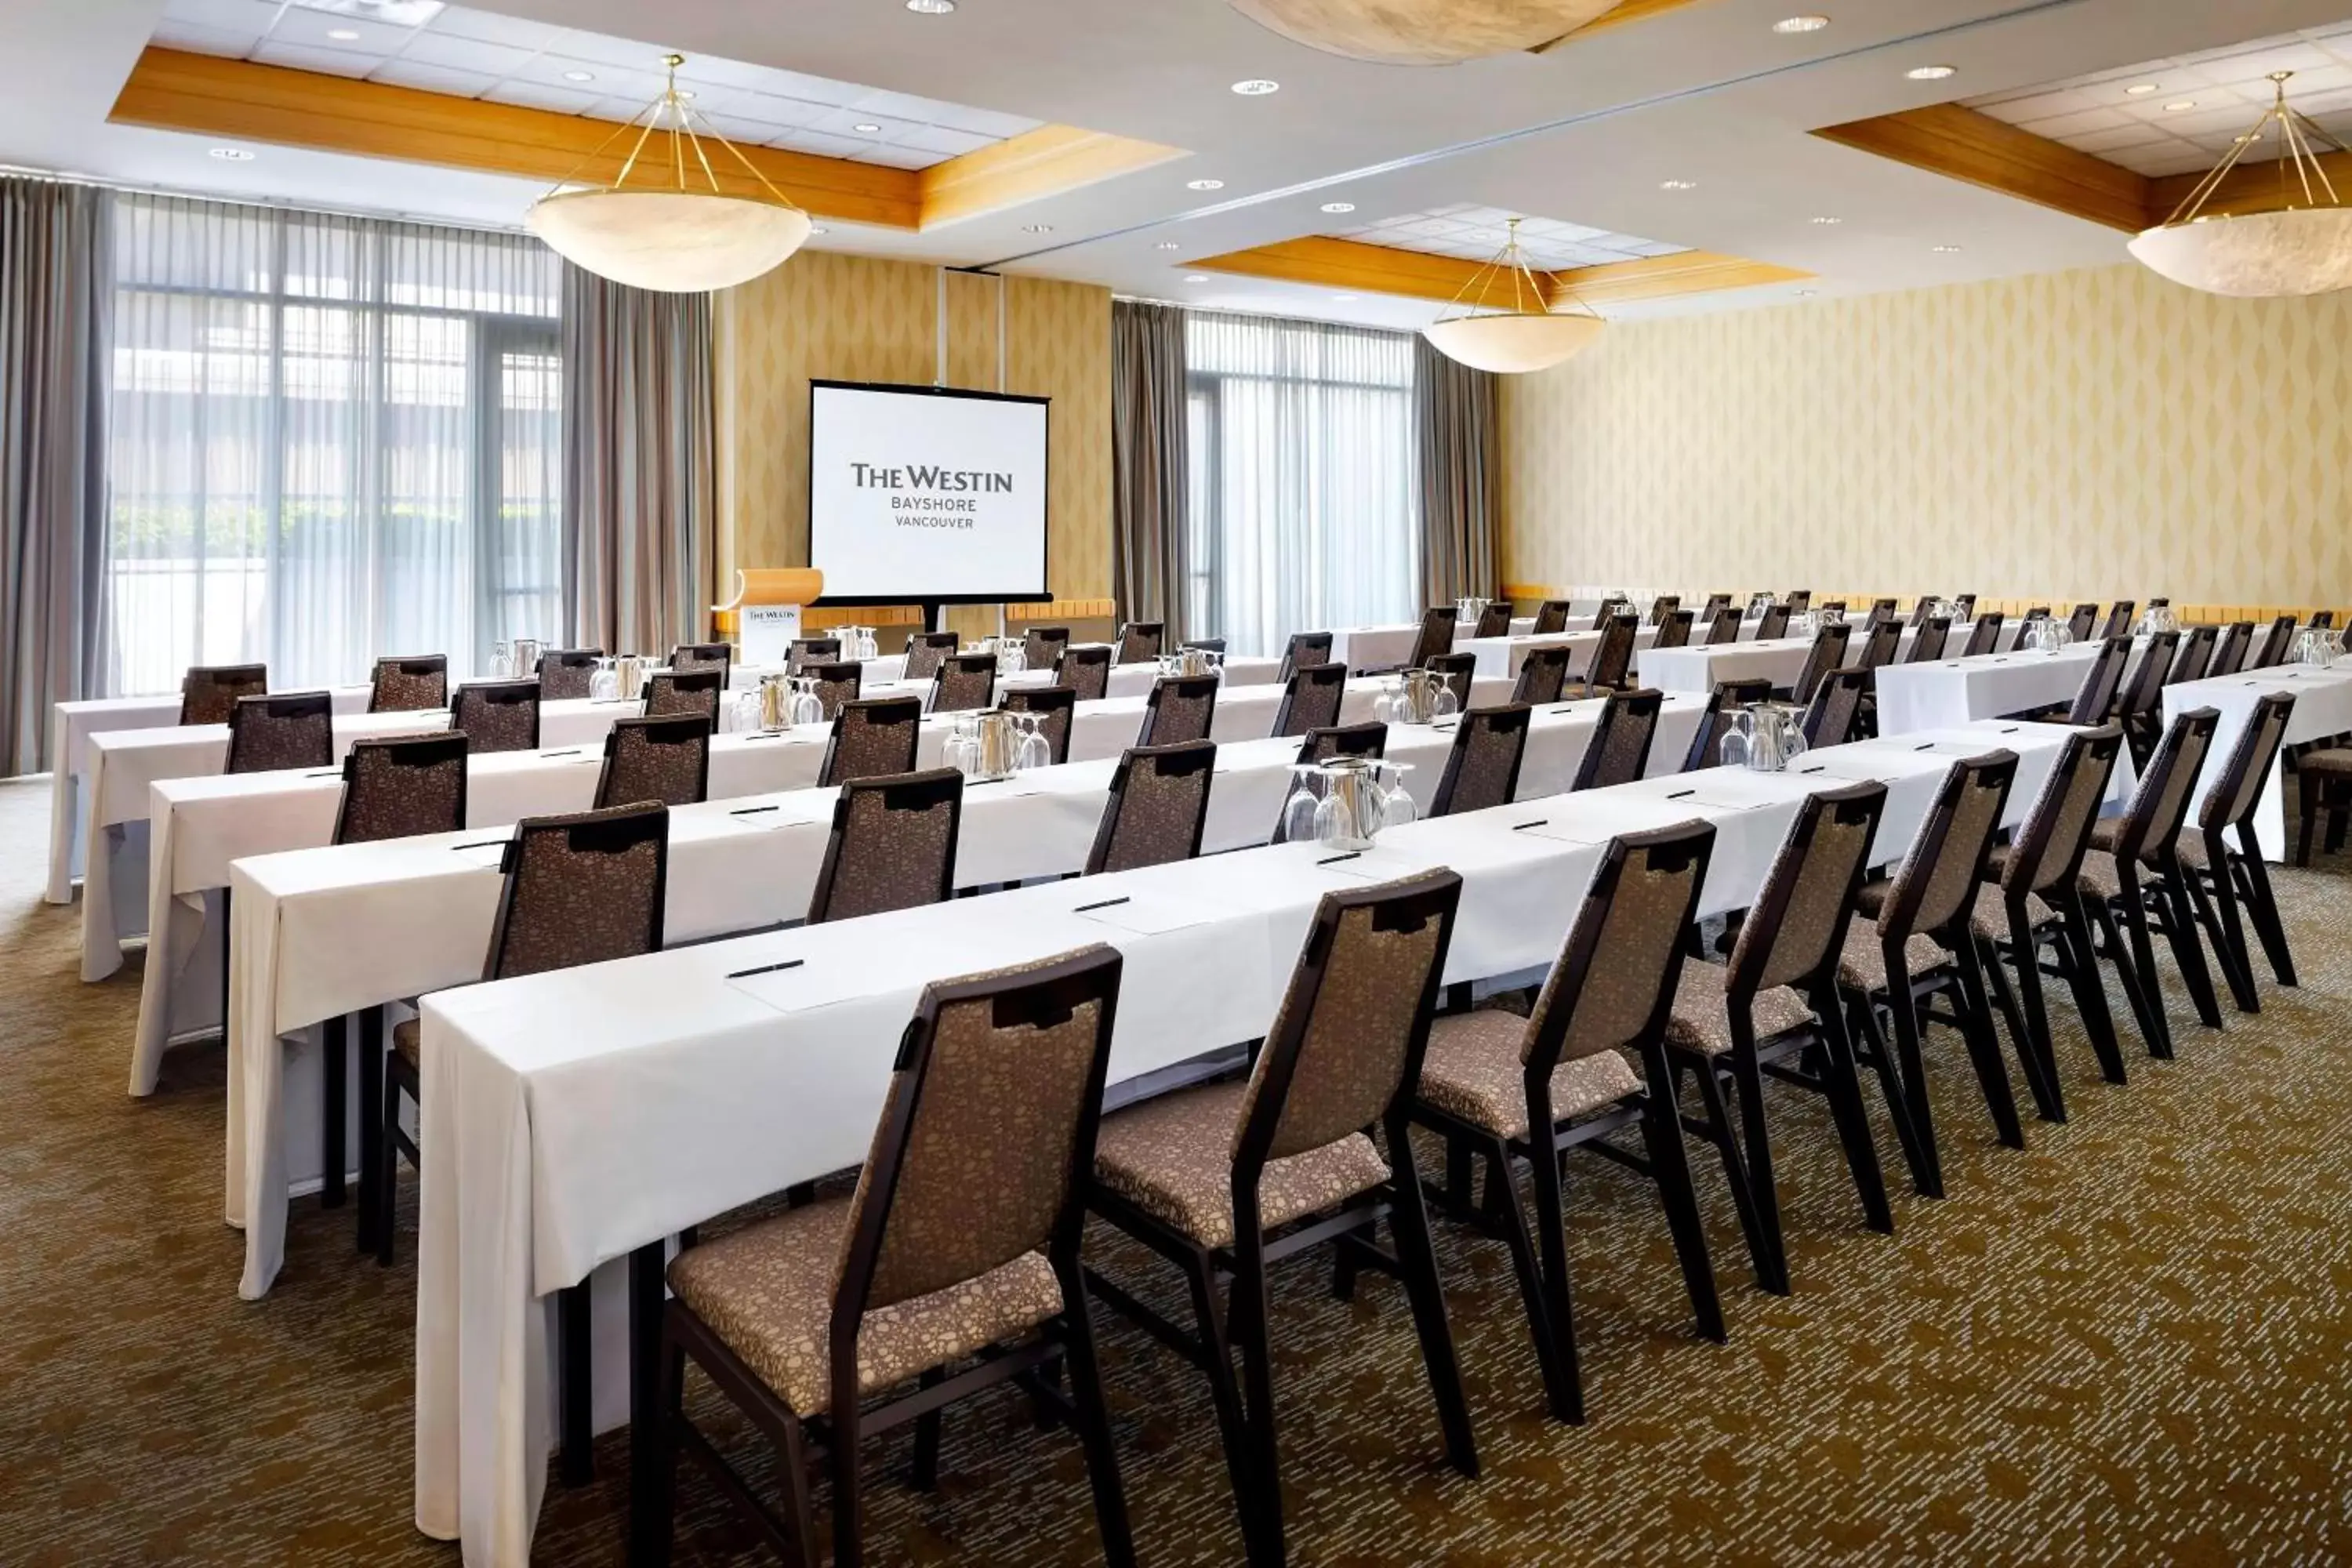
(2089, 434)
(853, 318)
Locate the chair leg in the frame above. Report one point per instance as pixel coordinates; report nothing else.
(1852, 1119)
(1984, 1048)
(1417, 1259)
(1543, 1275)
(1225, 1393)
(849, 1517)
(1662, 1133)
(792, 1462)
(1755, 1149)
(388, 1174)
(653, 1501)
(2135, 967)
(2263, 907)
(1903, 1079)
(2040, 1075)
(1247, 1326)
(2080, 965)
(371, 1198)
(335, 1110)
(2184, 930)
(1093, 1419)
(2217, 907)
(576, 1361)
(1761, 1255)
(923, 1472)
(2309, 796)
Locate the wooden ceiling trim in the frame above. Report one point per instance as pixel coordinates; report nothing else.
(1045, 162)
(1666, 278)
(2250, 188)
(1348, 265)
(1951, 140)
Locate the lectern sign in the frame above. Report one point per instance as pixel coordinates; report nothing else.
(768, 631)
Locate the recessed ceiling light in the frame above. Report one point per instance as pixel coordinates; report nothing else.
(232, 154)
(1196, 277)
(1204, 184)
(866, 128)
(1801, 24)
(819, 228)
(1827, 222)
(1168, 245)
(1931, 73)
(1677, 185)
(1339, 206)
(1256, 87)
(1036, 228)
(2139, 90)
(1948, 250)
(2181, 106)
(580, 75)
(930, 7)
(1343, 298)
(343, 35)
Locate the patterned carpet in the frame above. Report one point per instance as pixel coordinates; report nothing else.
(2124, 1346)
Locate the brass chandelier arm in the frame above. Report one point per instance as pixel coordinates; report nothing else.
(681, 133)
(1511, 259)
(2297, 159)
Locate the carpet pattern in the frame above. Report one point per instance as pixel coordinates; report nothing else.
(2124, 1345)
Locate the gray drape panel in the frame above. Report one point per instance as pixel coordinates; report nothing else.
(640, 464)
(56, 299)
(1150, 463)
(1454, 426)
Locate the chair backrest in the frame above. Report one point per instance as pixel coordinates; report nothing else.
(1935, 889)
(1837, 703)
(209, 693)
(2081, 623)
(893, 846)
(1311, 700)
(1921, 611)
(1209, 645)
(1839, 605)
(1321, 745)
(1181, 708)
(696, 691)
(1614, 658)
(1159, 804)
(1614, 983)
(806, 651)
(2196, 652)
(1457, 670)
(875, 738)
(1436, 633)
(2321, 620)
(1928, 638)
(1724, 628)
(1716, 721)
(1495, 620)
(1799, 600)
(1662, 606)
(2038, 613)
(409, 683)
(585, 887)
(1881, 610)
(963, 682)
(1879, 647)
(718, 656)
(1615, 605)
(1551, 617)
(1774, 622)
(1827, 653)
(1085, 670)
(2119, 619)
(2274, 644)
(2046, 854)
(1966, 607)
(498, 715)
(397, 786)
(1139, 642)
(567, 674)
(2151, 829)
(2230, 648)
(1303, 651)
(1041, 647)
(290, 730)
(1745, 691)
(835, 683)
(1984, 635)
(1620, 749)
(2146, 688)
(2096, 696)
(927, 650)
(1675, 629)
(1055, 705)
(1482, 770)
(2238, 794)
(1795, 930)
(1542, 674)
(666, 759)
(985, 1148)
(1349, 1037)
(1715, 602)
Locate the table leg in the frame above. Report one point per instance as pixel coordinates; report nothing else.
(334, 1074)
(649, 1539)
(374, 1200)
(576, 1401)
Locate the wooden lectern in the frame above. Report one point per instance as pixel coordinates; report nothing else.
(764, 615)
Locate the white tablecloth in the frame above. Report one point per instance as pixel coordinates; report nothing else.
(1125, 679)
(1698, 668)
(2323, 706)
(577, 1117)
(1500, 657)
(1961, 691)
(1387, 647)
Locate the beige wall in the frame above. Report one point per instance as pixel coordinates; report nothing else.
(2091, 434)
(852, 318)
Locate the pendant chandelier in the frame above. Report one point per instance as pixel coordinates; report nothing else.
(1423, 32)
(2304, 247)
(664, 233)
(1530, 336)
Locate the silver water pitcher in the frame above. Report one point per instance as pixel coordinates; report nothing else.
(1766, 738)
(1346, 803)
(522, 658)
(1416, 697)
(1191, 662)
(1468, 608)
(620, 677)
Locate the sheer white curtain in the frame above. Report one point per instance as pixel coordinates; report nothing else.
(332, 438)
(1304, 499)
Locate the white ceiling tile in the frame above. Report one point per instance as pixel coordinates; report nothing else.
(332, 62)
(2321, 104)
(2248, 45)
(433, 78)
(2064, 126)
(490, 27)
(2139, 133)
(2159, 162)
(598, 49)
(823, 146)
(2229, 121)
(742, 132)
(947, 144)
(898, 157)
(985, 122)
(616, 107)
(248, 16)
(2051, 105)
(539, 95)
(198, 40)
(606, 80)
(311, 29)
(427, 47)
(846, 122)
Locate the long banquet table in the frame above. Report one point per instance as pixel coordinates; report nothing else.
(1124, 679)
(1961, 690)
(584, 1118)
(1698, 666)
(2322, 709)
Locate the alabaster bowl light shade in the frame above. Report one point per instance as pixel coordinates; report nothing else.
(676, 242)
(1513, 344)
(1423, 32)
(2260, 256)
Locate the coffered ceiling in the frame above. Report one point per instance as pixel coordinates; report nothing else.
(1685, 129)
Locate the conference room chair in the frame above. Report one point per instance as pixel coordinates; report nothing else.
(697, 690)
(953, 1266)
(718, 656)
(892, 845)
(1619, 752)
(1724, 628)
(1715, 605)
(1159, 804)
(2032, 900)
(1984, 635)
(1928, 638)
(410, 684)
(1139, 642)
(2119, 619)
(2094, 699)
(1827, 653)
(1437, 625)
(1368, 739)
(1311, 700)
(1799, 601)
(1615, 605)
(1718, 718)
(1833, 607)
(1882, 613)
(1181, 708)
(1482, 769)
(2139, 701)
(1880, 645)
(209, 693)
(1457, 670)
(1303, 651)
(1085, 670)
(926, 651)
(2083, 622)
(873, 738)
(1662, 606)
(1921, 611)
(1774, 1009)
(1745, 691)
(567, 674)
(1920, 948)
(1552, 617)
(1675, 629)
(1495, 620)
(2276, 644)
(2231, 646)
(1835, 713)
(806, 651)
(496, 716)
(1774, 622)
(1543, 675)
(1206, 645)
(1966, 607)
(837, 683)
(1502, 1089)
(962, 682)
(666, 759)
(2196, 653)
(290, 730)
(1231, 1179)
(1041, 647)
(2234, 875)
(1613, 659)
(1054, 706)
(2321, 620)
(2137, 884)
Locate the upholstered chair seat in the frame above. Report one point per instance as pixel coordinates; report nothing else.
(1172, 1158)
(1863, 961)
(1476, 1070)
(1701, 1020)
(406, 1043)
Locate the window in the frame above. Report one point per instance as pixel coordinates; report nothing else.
(331, 437)
(1305, 503)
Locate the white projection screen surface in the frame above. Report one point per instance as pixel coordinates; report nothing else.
(918, 494)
